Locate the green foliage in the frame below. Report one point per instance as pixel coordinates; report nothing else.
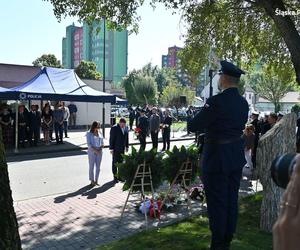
(272, 83)
(240, 31)
(141, 86)
(175, 158)
(171, 95)
(47, 60)
(166, 77)
(128, 85)
(88, 70)
(130, 163)
(145, 90)
(296, 108)
(244, 31)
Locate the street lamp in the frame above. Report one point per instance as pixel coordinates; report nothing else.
(103, 104)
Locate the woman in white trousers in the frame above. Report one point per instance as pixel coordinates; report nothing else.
(94, 140)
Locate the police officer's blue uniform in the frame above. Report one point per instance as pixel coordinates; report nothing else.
(223, 119)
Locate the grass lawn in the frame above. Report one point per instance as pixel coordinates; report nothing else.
(193, 234)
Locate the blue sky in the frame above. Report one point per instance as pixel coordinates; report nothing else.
(29, 29)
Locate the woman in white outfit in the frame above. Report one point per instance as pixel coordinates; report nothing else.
(94, 140)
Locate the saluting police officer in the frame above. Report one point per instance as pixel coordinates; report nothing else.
(223, 119)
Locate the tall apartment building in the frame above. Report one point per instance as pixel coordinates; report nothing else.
(87, 43)
(171, 60)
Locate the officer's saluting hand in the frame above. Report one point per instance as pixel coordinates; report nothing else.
(223, 119)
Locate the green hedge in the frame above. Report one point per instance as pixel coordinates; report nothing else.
(163, 166)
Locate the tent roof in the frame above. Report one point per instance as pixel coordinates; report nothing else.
(59, 84)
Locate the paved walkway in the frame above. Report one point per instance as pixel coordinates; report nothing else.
(83, 219)
(87, 218)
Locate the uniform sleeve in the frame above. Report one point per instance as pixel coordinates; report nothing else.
(204, 117)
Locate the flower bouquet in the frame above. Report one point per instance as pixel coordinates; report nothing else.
(137, 132)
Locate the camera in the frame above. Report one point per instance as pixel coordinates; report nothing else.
(282, 169)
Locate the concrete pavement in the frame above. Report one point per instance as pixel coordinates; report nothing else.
(56, 209)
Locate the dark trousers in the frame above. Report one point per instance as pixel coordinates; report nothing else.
(154, 138)
(66, 128)
(58, 132)
(142, 138)
(131, 123)
(222, 205)
(22, 135)
(166, 138)
(34, 133)
(117, 158)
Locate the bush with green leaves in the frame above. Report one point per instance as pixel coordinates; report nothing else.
(296, 108)
(128, 167)
(174, 159)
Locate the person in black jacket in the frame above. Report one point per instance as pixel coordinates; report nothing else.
(22, 124)
(166, 130)
(34, 125)
(143, 125)
(131, 117)
(118, 144)
(257, 131)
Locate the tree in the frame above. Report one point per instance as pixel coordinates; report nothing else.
(272, 84)
(47, 60)
(128, 85)
(140, 89)
(171, 96)
(237, 29)
(145, 90)
(9, 234)
(165, 77)
(88, 70)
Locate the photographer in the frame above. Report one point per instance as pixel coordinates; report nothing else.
(286, 231)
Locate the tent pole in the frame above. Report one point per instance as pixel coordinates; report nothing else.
(104, 50)
(87, 116)
(17, 127)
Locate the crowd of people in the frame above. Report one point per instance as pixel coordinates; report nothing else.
(150, 121)
(253, 131)
(30, 123)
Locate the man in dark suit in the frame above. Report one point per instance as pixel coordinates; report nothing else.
(223, 119)
(34, 125)
(166, 130)
(131, 117)
(118, 144)
(143, 125)
(22, 125)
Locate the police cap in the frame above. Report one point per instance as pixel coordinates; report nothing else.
(230, 69)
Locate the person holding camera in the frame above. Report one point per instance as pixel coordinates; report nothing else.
(223, 120)
(286, 230)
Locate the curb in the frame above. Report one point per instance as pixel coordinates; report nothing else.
(82, 148)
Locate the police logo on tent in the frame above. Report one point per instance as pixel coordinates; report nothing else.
(23, 96)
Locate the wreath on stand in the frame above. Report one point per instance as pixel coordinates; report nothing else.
(128, 167)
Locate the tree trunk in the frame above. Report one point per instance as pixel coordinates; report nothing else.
(9, 234)
(277, 107)
(287, 29)
(279, 140)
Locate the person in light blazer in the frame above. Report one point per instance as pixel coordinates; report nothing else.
(95, 145)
